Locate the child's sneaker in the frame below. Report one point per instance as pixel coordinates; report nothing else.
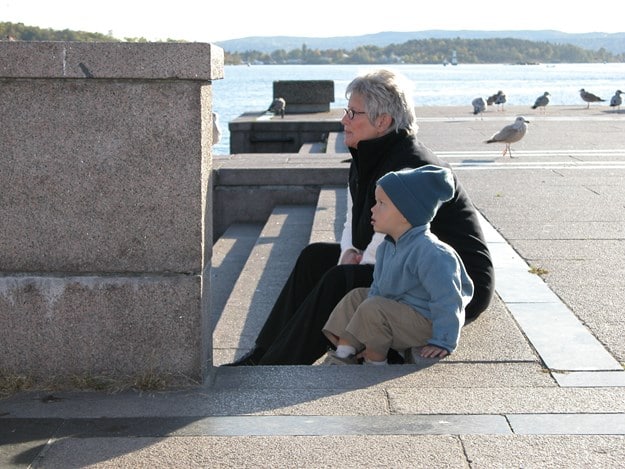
(332, 359)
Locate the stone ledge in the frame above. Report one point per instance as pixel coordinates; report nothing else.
(149, 61)
(246, 187)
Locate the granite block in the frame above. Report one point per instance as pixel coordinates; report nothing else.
(116, 327)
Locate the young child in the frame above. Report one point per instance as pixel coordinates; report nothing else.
(420, 286)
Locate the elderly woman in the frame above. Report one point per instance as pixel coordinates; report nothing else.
(380, 131)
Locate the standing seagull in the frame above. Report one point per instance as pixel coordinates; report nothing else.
(616, 100)
(510, 134)
(499, 99)
(479, 105)
(589, 97)
(542, 101)
(492, 98)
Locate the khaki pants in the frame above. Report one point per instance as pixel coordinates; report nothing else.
(377, 323)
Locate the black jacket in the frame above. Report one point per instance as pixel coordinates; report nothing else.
(456, 222)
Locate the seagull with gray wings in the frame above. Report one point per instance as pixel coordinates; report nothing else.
(479, 105)
(616, 100)
(589, 97)
(542, 101)
(510, 134)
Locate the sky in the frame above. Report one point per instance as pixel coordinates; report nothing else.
(219, 20)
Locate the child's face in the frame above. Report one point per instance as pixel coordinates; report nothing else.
(386, 218)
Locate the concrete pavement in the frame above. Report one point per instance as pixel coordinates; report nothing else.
(537, 381)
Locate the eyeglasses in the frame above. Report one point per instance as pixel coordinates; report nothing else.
(351, 113)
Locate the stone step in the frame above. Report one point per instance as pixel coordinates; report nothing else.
(230, 253)
(329, 215)
(336, 143)
(261, 278)
(312, 147)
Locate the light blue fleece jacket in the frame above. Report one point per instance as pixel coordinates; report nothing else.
(427, 274)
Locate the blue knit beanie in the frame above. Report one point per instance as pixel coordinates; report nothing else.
(418, 193)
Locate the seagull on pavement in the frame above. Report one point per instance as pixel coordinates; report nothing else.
(491, 99)
(479, 105)
(589, 97)
(510, 134)
(542, 101)
(499, 99)
(616, 100)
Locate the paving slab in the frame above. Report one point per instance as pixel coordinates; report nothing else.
(569, 424)
(418, 451)
(590, 378)
(507, 400)
(478, 337)
(561, 451)
(562, 341)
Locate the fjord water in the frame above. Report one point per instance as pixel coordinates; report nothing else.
(250, 88)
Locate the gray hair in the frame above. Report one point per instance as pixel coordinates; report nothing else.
(386, 92)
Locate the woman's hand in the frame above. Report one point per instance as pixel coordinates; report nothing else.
(432, 351)
(351, 257)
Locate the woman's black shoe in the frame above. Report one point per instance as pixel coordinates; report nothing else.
(251, 358)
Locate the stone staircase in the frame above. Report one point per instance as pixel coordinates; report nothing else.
(262, 256)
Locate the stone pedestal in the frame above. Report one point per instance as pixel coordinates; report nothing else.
(105, 239)
(303, 96)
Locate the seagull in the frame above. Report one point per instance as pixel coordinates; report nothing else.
(589, 97)
(616, 100)
(510, 134)
(277, 107)
(491, 99)
(479, 105)
(500, 99)
(542, 101)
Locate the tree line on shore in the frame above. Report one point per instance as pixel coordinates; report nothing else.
(419, 51)
(435, 51)
(22, 32)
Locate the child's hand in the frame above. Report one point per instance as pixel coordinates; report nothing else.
(432, 351)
